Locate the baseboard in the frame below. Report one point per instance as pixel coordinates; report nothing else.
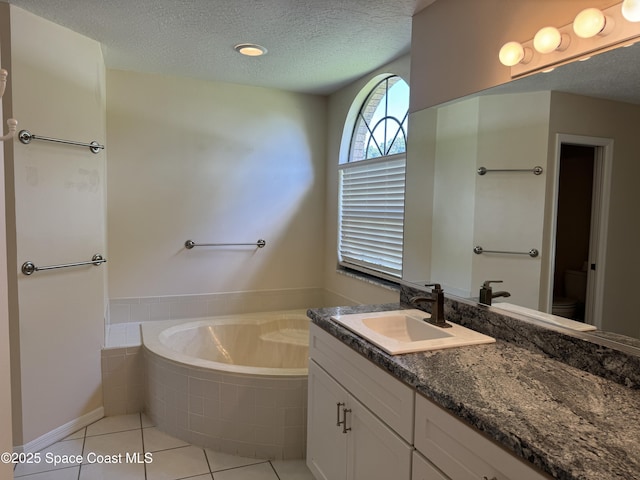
(61, 432)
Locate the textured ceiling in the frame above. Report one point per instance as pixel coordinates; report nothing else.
(314, 46)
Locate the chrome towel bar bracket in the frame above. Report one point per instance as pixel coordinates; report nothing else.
(28, 267)
(535, 170)
(26, 136)
(532, 253)
(189, 244)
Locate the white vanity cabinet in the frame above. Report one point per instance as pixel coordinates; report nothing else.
(364, 424)
(360, 419)
(460, 452)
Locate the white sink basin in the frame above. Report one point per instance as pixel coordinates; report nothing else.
(405, 331)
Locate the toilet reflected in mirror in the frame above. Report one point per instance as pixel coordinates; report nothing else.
(572, 304)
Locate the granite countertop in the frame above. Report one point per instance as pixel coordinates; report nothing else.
(569, 423)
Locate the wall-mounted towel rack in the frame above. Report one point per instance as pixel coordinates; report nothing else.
(28, 267)
(532, 253)
(535, 170)
(26, 136)
(190, 244)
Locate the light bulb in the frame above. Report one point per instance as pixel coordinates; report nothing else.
(511, 53)
(631, 10)
(549, 39)
(591, 22)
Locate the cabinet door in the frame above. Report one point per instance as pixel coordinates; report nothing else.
(326, 444)
(461, 452)
(423, 470)
(375, 452)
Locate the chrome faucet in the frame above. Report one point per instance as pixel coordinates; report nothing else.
(487, 294)
(437, 310)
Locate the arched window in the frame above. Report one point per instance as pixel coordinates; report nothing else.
(372, 183)
(381, 127)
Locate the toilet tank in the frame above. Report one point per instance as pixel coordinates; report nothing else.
(575, 284)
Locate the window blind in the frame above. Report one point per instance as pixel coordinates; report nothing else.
(371, 215)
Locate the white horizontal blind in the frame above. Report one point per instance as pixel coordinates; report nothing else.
(371, 214)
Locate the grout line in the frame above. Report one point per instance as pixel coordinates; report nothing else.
(84, 443)
(274, 470)
(144, 450)
(206, 457)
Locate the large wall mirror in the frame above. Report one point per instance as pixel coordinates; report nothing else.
(581, 124)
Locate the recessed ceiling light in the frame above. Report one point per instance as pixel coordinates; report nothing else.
(250, 49)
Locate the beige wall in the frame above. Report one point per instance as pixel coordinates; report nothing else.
(58, 90)
(215, 163)
(577, 115)
(455, 43)
(342, 110)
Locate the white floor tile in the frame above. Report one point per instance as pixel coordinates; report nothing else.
(224, 461)
(261, 471)
(64, 447)
(177, 463)
(155, 440)
(112, 471)
(292, 469)
(79, 434)
(61, 474)
(119, 423)
(119, 443)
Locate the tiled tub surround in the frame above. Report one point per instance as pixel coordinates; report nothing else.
(176, 307)
(569, 423)
(208, 400)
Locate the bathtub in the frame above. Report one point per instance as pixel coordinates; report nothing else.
(233, 383)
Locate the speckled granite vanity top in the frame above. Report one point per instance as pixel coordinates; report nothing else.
(570, 423)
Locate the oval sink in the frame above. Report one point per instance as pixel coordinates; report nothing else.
(405, 331)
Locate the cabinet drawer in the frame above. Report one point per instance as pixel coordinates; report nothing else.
(461, 452)
(389, 399)
(423, 470)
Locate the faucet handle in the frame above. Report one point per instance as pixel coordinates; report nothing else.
(487, 283)
(436, 287)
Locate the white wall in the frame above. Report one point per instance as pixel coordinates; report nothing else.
(509, 207)
(58, 90)
(343, 288)
(454, 196)
(215, 163)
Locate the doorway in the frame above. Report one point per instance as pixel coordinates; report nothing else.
(573, 230)
(577, 257)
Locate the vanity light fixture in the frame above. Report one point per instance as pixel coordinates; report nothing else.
(591, 22)
(631, 10)
(592, 31)
(549, 39)
(250, 49)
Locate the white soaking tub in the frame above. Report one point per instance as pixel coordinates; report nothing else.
(234, 383)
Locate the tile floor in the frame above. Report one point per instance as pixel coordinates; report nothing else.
(119, 438)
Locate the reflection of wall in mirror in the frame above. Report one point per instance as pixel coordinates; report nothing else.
(580, 115)
(501, 211)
